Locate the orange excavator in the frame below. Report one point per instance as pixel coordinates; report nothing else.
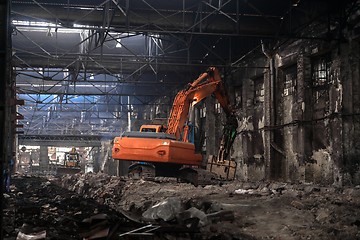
(162, 150)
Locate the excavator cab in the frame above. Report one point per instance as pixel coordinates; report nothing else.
(153, 128)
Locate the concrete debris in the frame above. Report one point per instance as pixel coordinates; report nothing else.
(244, 191)
(165, 210)
(31, 236)
(102, 206)
(322, 215)
(187, 218)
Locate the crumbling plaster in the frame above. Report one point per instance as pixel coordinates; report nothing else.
(313, 148)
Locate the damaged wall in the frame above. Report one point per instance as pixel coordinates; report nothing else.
(299, 120)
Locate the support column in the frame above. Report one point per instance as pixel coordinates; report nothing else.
(302, 114)
(267, 122)
(44, 159)
(210, 127)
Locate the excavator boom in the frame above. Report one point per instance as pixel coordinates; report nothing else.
(206, 84)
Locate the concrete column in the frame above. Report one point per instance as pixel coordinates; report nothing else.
(96, 159)
(108, 165)
(210, 127)
(305, 131)
(44, 159)
(336, 124)
(302, 103)
(267, 122)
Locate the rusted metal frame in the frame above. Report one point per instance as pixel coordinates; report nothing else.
(140, 100)
(207, 16)
(97, 81)
(86, 50)
(148, 41)
(175, 51)
(219, 10)
(46, 10)
(23, 61)
(183, 14)
(116, 2)
(25, 81)
(230, 51)
(134, 54)
(76, 105)
(77, 45)
(42, 49)
(99, 89)
(171, 45)
(162, 15)
(29, 16)
(63, 79)
(107, 21)
(32, 53)
(98, 6)
(261, 14)
(196, 18)
(135, 71)
(33, 114)
(100, 65)
(122, 115)
(245, 55)
(25, 91)
(212, 52)
(34, 123)
(33, 103)
(19, 72)
(139, 28)
(237, 17)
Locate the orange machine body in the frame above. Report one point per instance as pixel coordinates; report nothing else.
(169, 144)
(155, 150)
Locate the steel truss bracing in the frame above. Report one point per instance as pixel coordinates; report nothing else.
(84, 66)
(60, 140)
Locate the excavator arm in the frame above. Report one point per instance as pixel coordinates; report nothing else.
(206, 84)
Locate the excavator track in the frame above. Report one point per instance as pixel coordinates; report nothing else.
(67, 170)
(142, 170)
(198, 176)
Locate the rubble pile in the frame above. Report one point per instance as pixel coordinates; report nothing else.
(105, 207)
(254, 210)
(102, 187)
(37, 209)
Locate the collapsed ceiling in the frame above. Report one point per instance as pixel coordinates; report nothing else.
(86, 67)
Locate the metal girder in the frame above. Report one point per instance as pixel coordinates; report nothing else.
(178, 38)
(61, 140)
(222, 18)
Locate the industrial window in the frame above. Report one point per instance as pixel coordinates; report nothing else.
(321, 71)
(203, 112)
(238, 96)
(259, 91)
(290, 80)
(217, 107)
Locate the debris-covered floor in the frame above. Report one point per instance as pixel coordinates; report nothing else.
(98, 206)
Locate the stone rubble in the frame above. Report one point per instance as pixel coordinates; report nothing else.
(231, 210)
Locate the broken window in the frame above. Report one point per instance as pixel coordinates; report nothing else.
(320, 69)
(217, 107)
(290, 80)
(203, 112)
(259, 90)
(238, 97)
(320, 77)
